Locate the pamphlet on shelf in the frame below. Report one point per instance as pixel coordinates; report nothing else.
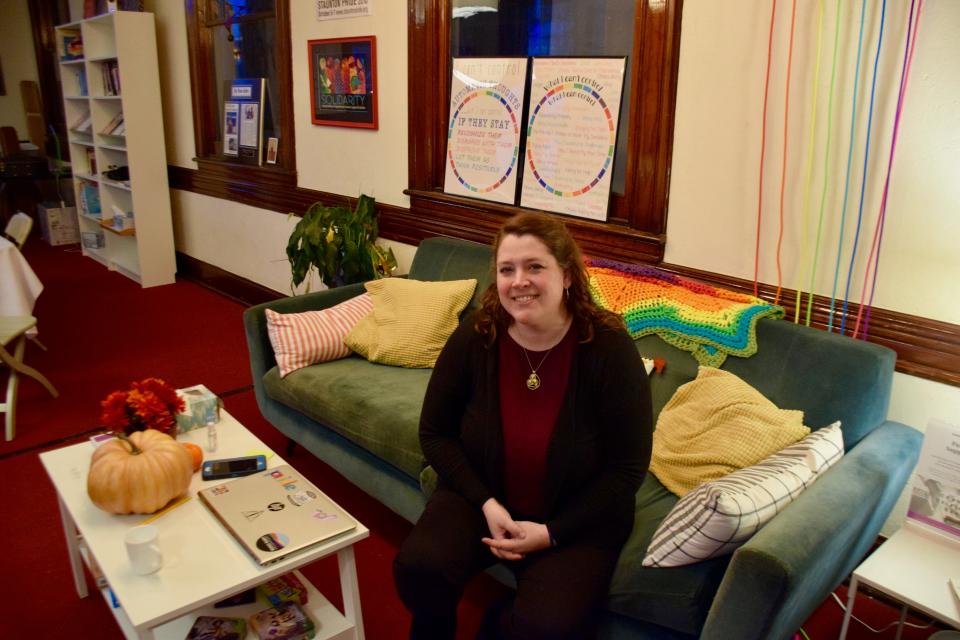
(231, 128)
(935, 497)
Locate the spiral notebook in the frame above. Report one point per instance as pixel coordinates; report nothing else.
(276, 513)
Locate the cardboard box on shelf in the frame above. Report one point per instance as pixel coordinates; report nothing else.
(58, 225)
(202, 408)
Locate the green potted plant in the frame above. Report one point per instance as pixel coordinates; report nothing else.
(340, 243)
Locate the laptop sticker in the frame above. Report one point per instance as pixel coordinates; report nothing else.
(272, 542)
(301, 498)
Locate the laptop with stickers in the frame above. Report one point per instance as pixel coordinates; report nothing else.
(275, 513)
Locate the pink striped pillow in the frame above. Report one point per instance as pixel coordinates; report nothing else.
(302, 339)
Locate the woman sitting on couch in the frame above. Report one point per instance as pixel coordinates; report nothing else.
(538, 422)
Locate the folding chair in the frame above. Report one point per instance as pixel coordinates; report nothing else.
(18, 228)
(13, 331)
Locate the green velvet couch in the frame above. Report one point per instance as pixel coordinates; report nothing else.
(362, 419)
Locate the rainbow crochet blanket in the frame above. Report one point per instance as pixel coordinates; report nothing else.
(710, 323)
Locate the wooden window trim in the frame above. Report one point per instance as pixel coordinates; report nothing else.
(233, 179)
(637, 222)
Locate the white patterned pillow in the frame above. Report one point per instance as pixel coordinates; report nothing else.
(302, 339)
(821, 449)
(719, 516)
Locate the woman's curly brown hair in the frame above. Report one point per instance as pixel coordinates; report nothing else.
(587, 316)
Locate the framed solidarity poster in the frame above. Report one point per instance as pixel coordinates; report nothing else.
(343, 82)
(572, 135)
(486, 120)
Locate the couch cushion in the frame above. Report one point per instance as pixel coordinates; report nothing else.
(375, 406)
(411, 320)
(719, 516)
(715, 425)
(448, 259)
(301, 339)
(678, 597)
(795, 368)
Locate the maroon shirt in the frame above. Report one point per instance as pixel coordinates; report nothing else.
(529, 417)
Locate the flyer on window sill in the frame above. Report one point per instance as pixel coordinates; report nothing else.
(935, 495)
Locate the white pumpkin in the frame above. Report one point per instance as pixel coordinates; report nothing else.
(139, 473)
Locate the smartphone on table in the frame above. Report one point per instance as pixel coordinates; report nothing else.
(233, 467)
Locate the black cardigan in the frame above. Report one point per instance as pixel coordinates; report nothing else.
(598, 454)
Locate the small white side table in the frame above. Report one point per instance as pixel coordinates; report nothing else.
(913, 566)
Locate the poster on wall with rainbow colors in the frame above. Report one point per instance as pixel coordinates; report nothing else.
(572, 135)
(483, 134)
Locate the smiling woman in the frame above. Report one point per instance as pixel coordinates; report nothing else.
(531, 287)
(537, 419)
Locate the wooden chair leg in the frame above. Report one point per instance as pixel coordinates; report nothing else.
(15, 362)
(10, 406)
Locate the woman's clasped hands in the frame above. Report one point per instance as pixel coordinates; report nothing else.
(512, 540)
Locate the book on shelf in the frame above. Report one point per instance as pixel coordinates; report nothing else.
(214, 628)
(71, 46)
(113, 125)
(285, 588)
(92, 161)
(110, 75)
(285, 622)
(89, 200)
(82, 81)
(83, 124)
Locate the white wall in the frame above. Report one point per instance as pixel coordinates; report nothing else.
(712, 215)
(334, 159)
(16, 55)
(714, 185)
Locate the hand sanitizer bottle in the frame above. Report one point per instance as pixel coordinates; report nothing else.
(211, 436)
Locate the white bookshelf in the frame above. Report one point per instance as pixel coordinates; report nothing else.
(124, 41)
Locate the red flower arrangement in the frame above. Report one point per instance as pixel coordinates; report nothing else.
(148, 404)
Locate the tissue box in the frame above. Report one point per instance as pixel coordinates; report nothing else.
(202, 408)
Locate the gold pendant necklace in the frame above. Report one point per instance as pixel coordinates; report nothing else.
(533, 380)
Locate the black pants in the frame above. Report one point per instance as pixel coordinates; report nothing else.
(559, 590)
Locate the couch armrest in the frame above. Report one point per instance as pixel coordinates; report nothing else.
(776, 580)
(255, 323)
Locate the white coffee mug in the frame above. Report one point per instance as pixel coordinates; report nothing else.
(143, 548)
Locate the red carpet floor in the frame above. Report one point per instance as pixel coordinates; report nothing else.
(103, 331)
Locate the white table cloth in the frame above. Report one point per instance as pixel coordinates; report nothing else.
(19, 285)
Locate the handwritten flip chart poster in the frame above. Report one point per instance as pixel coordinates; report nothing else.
(572, 135)
(483, 136)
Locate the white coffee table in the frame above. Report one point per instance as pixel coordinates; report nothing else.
(914, 566)
(202, 562)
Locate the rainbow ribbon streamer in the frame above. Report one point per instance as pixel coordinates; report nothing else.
(709, 322)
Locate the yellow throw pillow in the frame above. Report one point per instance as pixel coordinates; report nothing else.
(411, 320)
(713, 426)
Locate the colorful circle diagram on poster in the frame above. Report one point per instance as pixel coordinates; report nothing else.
(483, 135)
(572, 135)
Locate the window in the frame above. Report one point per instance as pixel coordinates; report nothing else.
(232, 39)
(647, 31)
